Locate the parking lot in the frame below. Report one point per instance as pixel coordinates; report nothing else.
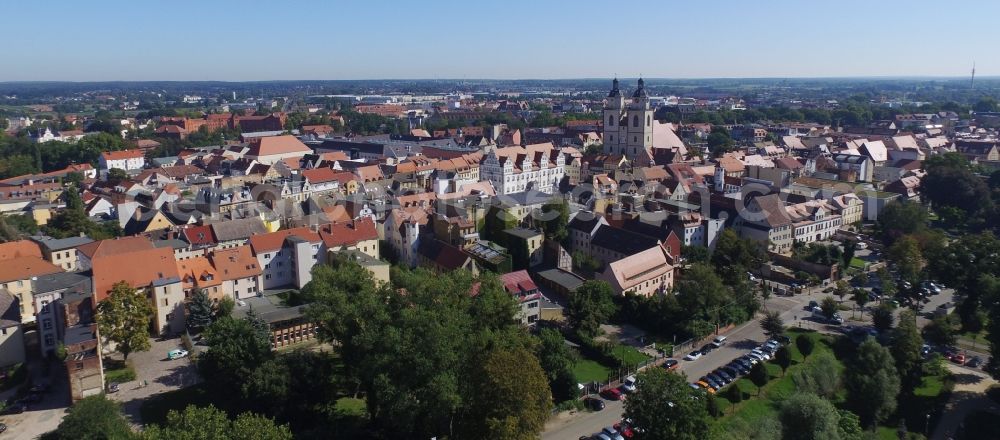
(155, 374)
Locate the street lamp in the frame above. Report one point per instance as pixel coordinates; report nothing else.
(927, 425)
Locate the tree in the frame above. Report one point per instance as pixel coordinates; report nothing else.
(805, 344)
(236, 348)
(900, 218)
(993, 336)
(224, 308)
(849, 426)
(92, 418)
(872, 383)
(758, 375)
(512, 399)
(772, 324)
(719, 141)
(117, 175)
(555, 219)
(860, 297)
(842, 289)
(210, 423)
(557, 360)
(819, 377)
(589, 306)
(882, 318)
(199, 310)
(783, 357)
(905, 252)
(808, 417)
(664, 406)
(123, 318)
(829, 306)
(905, 347)
(735, 395)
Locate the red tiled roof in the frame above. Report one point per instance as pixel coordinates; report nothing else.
(235, 263)
(274, 240)
(320, 175)
(347, 234)
(139, 269)
(199, 235)
(518, 282)
(22, 268)
(122, 155)
(20, 248)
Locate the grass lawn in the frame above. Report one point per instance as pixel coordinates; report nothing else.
(118, 371)
(350, 406)
(857, 263)
(629, 355)
(587, 371)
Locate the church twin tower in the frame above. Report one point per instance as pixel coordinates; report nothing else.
(628, 126)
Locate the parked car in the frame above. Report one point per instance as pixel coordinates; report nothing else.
(693, 356)
(671, 364)
(975, 362)
(862, 245)
(624, 428)
(719, 341)
(711, 382)
(724, 375)
(707, 348)
(812, 305)
(612, 394)
(3, 428)
(958, 358)
(704, 385)
(783, 340)
(176, 354)
(628, 385)
(612, 433)
(113, 387)
(593, 404)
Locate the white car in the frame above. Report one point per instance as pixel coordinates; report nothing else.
(862, 245)
(176, 354)
(693, 356)
(719, 341)
(628, 385)
(756, 355)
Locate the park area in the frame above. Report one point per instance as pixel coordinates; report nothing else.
(756, 404)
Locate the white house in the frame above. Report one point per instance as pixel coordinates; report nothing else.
(129, 160)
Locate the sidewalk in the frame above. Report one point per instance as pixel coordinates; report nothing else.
(968, 396)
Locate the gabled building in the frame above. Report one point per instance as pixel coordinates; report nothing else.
(517, 169)
(645, 273)
(524, 290)
(239, 271)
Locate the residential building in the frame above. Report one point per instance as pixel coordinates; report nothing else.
(272, 149)
(81, 339)
(287, 256)
(525, 247)
(48, 294)
(520, 285)
(15, 281)
(11, 333)
(61, 252)
(517, 169)
(130, 161)
(645, 273)
(288, 325)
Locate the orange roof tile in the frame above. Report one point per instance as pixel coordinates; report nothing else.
(137, 268)
(235, 263)
(23, 268)
(20, 248)
(197, 272)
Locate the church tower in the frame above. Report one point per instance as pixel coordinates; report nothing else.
(628, 127)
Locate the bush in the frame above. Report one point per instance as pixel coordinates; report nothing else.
(16, 375)
(570, 405)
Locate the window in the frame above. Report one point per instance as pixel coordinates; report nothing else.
(49, 340)
(165, 302)
(79, 366)
(635, 120)
(47, 324)
(267, 276)
(611, 121)
(20, 283)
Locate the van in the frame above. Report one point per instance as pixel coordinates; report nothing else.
(719, 341)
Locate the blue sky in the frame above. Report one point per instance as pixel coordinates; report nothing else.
(374, 39)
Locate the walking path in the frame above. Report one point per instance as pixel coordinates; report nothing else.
(969, 395)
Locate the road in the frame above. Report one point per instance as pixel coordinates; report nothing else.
(571, 426)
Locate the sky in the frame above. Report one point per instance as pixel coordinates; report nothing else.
(107, 40)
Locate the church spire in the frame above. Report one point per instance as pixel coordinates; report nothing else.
(641, 91)
(614, 93)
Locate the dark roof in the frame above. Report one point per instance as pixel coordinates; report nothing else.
(622, 241)
(239, 229)
(61, 281)
(58, 244)
(10, 316)
(584, 221)
(444, 255)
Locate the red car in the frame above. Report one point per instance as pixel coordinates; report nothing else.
(958, 358)
(625, 430)
(612, 394)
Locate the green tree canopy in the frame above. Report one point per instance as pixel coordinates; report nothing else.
(664, 406)
(93, 418)
(236, 348)
(591, 305)
(905, 348)
(199, 310)
(872, 382)
(209, 423)
(512, 399)
(123, 318)
(806, 416)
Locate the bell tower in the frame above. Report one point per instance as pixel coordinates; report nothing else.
(613, 129)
